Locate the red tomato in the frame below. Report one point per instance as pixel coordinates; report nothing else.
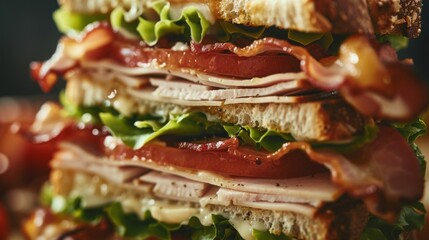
(132, 54)
(294, 164)
(4, 226)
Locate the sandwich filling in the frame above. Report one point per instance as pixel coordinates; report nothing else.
(181, 123)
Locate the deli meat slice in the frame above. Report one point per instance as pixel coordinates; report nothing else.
(191, 93)
(174, 186)
(384, 173)
(234, 196)
(315, 187)
(116, 174)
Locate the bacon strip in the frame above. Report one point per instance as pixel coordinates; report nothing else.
(93, 43)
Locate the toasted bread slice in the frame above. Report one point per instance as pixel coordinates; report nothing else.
(337, 16)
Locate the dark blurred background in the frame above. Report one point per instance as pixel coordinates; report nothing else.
(28, 33)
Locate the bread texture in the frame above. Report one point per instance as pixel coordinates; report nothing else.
(321, 120)
(337, 16)
(397, 16)
(342, 16)
(343, 221)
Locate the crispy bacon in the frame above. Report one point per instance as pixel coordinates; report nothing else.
(93, 43)
(51, 125)
(46, 80)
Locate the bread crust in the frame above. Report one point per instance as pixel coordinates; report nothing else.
(322, 120)
(337, 16)
(396, 16)
(326, 120)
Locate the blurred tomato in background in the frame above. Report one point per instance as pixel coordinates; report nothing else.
(23, 165)
(4, 223)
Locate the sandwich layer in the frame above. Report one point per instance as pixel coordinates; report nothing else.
(385, 17)
(206, 117)
(319, 120)
(350, 171)
(344, 218)
(218, 74)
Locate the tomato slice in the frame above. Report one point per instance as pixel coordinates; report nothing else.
(294, 164)
(132, 54)
(214, 156)
(4, 223)
(226, 64)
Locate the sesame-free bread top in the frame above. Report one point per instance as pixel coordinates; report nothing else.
(337, 16)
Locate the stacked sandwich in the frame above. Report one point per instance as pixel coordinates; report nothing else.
(232, 119)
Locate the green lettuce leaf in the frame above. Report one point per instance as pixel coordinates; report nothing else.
(67, 21)
(46, 194)
(398, 42)
(86, 114)
(411, 131)
(130, 225)
(369, 134)
(118, 23)
(74, 208)
(305, 39)
(372, 233)
(272, 141)
(191, 23)
(137, 133)
(229, 31)
(259, 138)
(412, 217)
